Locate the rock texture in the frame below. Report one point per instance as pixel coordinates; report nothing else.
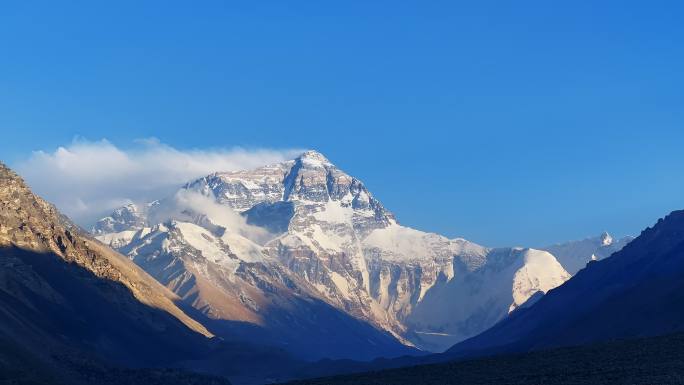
(245, 294)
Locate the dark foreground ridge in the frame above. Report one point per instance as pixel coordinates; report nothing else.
(654, 360)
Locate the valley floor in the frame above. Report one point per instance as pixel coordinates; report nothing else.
(655, 360)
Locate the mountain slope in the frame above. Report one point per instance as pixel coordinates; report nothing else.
(639, 291)
(246, 295)
(482, 298)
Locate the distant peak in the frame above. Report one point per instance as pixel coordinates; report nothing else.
(606, 239)
(313, 155)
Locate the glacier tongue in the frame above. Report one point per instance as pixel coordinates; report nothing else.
(327, 237)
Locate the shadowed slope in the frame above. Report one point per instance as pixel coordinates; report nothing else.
(28, 222)
(65, 324)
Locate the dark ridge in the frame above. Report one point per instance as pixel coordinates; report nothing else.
(62, 324)
(655, 360)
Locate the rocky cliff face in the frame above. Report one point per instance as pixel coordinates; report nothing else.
(329, 233)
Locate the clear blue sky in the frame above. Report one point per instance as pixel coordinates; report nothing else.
(505, 122)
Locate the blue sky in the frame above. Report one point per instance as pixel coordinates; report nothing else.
(504, 122)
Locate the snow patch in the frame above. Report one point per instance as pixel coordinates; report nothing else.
(245, 249)
(334, 212)
(403, 242)
(202, 240)
(341, 283)
(540, 272)
(119, 239)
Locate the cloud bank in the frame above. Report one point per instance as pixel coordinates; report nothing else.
(86, 180)
(187, 205)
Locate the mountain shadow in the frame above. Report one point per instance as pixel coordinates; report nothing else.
(653, 360)
(274, 217)
(59, 323)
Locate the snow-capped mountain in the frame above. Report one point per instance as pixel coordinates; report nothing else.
(308, 229)
(575, 255)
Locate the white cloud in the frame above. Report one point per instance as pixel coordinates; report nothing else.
(186, 205)
(88, 179)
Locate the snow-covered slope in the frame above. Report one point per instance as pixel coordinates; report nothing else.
(475, 300)
(245, 294)
(325, 232)
(636, 292)
(575, 255)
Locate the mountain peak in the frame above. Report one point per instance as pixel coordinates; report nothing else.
(313, 156)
